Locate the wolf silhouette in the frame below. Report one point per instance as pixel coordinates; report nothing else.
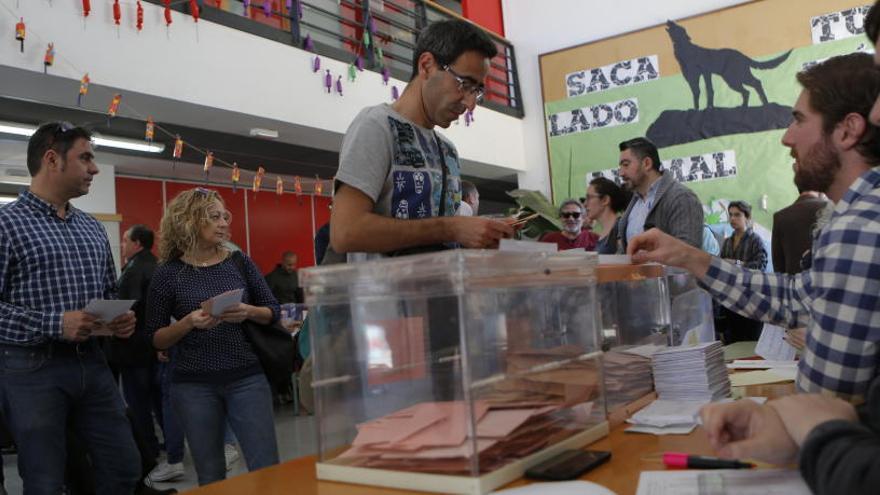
(732, 66)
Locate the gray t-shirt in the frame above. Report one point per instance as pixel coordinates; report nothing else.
(397, 164)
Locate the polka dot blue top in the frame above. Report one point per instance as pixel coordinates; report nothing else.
(216, 355)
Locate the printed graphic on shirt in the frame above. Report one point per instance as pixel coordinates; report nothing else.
(412, 195)
(406, 151)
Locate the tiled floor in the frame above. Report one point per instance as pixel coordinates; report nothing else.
(296, 438)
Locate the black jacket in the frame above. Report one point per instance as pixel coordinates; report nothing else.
(285, 286)
(134, 283)
(843, 457)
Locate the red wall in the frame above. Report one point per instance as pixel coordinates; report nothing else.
(271, 225)
(486, 13)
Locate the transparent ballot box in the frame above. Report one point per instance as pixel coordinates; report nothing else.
(635, 322)
(453, 372)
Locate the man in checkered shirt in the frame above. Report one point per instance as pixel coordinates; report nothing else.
(54, 259)
(836, 151)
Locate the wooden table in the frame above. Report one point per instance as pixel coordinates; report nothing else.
(620, 474)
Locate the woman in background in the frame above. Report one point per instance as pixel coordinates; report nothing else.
(605, 202)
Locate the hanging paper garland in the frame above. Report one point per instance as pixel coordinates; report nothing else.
(299, 9)
(394, 93)
(150, 130)
(468, 118)
(83, 88)
(258, 179)
(247, 7)
(236, 175)
(328, 81)
(352, 72)
(359, 63)
(386, 75)
(339, 85)
(49, 58)
(267, 8)
(140, 17)
(114, 105)
(87, 8)
(308, 44)
(20, 33)
(316, 64)
(168, 20)
(178, 151)
(194, 10)
(279, 186)
(209, 162)
(117, 15)
(297, 185)
(319, 186)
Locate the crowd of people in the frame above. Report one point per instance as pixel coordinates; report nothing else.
(398, 190)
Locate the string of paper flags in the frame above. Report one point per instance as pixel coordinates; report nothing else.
(268, 6)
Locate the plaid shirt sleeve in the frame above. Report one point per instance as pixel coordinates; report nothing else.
(838, 301)
(17, 320)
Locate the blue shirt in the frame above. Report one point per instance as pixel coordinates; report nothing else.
(639, 212)
(49, 265)
(838, 299)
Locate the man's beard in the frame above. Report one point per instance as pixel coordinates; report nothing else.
(816, 171)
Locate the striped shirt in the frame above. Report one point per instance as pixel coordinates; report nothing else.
(49, 265)
(838, 299)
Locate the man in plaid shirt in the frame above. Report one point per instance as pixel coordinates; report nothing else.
(836, 151)
(54, 259)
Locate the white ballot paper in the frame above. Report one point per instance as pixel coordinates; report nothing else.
(771, 344)
(723, 482)
(221, 302)
(107, 310)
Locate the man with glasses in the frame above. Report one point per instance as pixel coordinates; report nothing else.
(398, 185)
(54, 259)
(658, 200)
(571, 214)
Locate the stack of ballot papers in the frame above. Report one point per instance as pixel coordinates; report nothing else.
(628, 373)
(433, 436)
(693, 373)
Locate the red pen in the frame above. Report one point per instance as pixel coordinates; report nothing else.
(685, 461)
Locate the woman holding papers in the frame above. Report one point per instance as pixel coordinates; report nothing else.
(217, 376)
(743, 248)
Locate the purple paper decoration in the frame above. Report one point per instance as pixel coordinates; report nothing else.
(267, 8)
(316, 64)
(386, 75)
(247, 7)
(299, 9)
(467, 118)
(308, 44)
(289, 5)
(339, 85)
(394, 93)
(328, 81)
(372, 25)
(359, 63)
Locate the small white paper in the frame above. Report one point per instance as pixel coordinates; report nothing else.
(662, 413)
(772, 346)
(662, 430)
(221, 302)
(527, 246)
(760, 364)
(107, 310)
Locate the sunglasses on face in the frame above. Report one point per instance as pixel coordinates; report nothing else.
(570, 214)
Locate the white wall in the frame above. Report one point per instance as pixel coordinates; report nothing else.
(537, 27)
(219, 67)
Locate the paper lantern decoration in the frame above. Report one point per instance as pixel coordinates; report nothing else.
(279, 186)
(297, 185)
(236, 176)
(114, 105)
(386, 75)
(49, 58)
(247, 7)
(316, 64)
(20, 32)
(339, 85)
(87, 8)
(395, 94)
(168, 21)
(139, 23)
(328, 81)
(319, 186)
(352, 72)
(267, 8)
(117, 14)
(150, 130)
(83, 88)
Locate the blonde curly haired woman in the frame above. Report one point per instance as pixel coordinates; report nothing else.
(217, 376)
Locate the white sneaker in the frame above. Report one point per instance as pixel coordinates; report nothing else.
(166, 472)
(231, 454)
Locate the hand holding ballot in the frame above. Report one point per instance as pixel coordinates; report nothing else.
(101, 317)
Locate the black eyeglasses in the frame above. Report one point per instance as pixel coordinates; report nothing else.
(467, 85)
(570, 214)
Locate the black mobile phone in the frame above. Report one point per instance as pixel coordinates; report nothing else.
(568, 465)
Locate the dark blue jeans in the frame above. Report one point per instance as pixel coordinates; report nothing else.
(45, 389)
(171, 429)
(205, 408)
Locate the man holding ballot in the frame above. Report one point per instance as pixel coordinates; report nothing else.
(54, 260)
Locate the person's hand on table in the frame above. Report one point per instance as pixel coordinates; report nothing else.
(747, 430)
(802, 412)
